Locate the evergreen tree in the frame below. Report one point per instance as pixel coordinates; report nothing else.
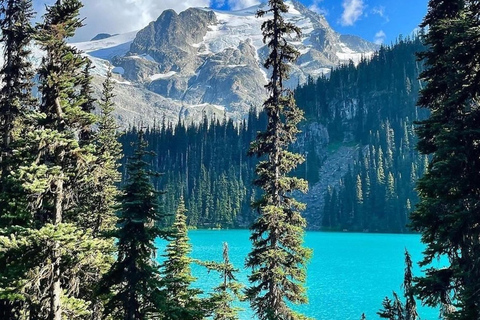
(98, 198)
(410, 303)
(278, 258)
(228, 291)
(133, 282)
(181, 300)
(16, 103)
(53, 263)
(396, 309)
(98, 195)
(448, 213)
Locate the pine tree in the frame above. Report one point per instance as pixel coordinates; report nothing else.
(16, 102)
(15, 105)
(132, 284)
(98, 194)
(181, 301)
(396, 309)
(278, 258)
(448, 213)
(410, 303)
(228, 291)
(98, 198)
(52, 262)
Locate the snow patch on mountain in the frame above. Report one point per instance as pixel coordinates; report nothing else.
(162, 75)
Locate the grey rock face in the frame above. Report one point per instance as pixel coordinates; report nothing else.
(168, 40)
(136, 68)
(201, 59)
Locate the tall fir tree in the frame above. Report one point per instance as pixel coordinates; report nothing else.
(410, 303)
(181, 301)
(55, 259)
(278, 258)
(16, 103)
(132, 285)
(228, 292)
(98, 194)
(448, 215)
(396, 309)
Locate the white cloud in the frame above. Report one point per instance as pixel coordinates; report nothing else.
(120, 16)
(380, 37)
(242, 4)
(352, 11)
(380, 11)
(316, 7)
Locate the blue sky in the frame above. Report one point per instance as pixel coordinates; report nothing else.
(380, 21)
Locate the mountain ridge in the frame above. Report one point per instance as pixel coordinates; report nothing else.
(209, 61)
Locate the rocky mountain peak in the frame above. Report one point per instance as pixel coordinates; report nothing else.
(207, 60)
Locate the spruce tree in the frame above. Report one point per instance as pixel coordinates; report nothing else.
(396, 309)
(228, 291)
(132, 285)
(448, 215)
(16, 103)
(278, 258)
(52, 263)
(410, 303)
(98, 193)
(181, 301)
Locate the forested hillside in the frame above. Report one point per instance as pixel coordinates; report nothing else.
(370, 107)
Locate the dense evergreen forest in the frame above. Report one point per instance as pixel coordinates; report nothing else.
(371, 105)
(73, 245)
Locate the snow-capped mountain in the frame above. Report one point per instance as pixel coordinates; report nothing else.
(204, 60)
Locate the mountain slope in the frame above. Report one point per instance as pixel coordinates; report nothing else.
(204, 60)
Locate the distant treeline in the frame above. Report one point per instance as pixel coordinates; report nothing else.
(372, 105)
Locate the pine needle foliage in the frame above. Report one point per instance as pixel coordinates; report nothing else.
(278, 258)
(54, 261)
(229, 290)
(396, 309)
(182, 302)
(16, 103)
(132, 285)
(448, 215)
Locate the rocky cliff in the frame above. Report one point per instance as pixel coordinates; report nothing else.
(203, 60)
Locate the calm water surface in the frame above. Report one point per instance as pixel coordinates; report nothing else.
(349, 273)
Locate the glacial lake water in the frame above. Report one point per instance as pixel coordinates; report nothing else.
(349, 273)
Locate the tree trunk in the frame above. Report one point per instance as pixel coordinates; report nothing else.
(55, 303)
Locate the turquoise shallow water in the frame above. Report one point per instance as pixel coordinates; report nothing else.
(349, 273)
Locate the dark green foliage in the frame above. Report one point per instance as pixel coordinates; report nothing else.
(228, 292)
(396, 309)
(181, 301)
(53, 262)
(217, 189)
(377, 193)
(16, 103)
(132, 285)
(208, 163)
(99, 193)
(278, 258)
(392, 310)
(448, 213)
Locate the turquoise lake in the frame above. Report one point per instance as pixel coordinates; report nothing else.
(349, 273)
